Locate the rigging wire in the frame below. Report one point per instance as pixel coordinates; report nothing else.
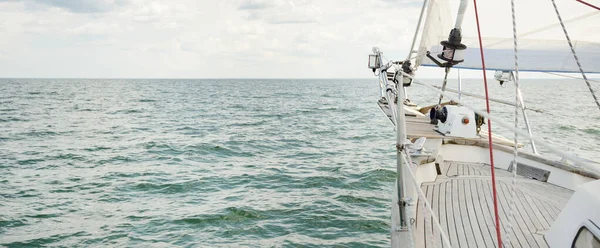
(575, 55)
(567, 76)
(487, 104)
(548, 27)
(516, 139)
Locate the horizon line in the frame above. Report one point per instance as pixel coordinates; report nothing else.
(253, 78)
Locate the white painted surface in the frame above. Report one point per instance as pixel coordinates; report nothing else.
(583, 209)
(454, 125)
(502, 160)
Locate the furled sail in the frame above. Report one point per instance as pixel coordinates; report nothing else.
(436, 27)
(542, 44)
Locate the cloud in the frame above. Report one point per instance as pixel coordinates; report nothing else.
(403, 3)
(276, 12)
(98, 28)
(255, 4)
(190, 38)
(77, 6)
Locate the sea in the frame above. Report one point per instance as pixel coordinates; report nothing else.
(227, 162)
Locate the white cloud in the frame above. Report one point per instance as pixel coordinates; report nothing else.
(202, 39)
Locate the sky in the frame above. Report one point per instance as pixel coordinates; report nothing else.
(201, 38)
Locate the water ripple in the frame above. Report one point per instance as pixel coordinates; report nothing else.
(309, 163)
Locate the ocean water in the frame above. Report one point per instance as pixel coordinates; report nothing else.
(222, 163)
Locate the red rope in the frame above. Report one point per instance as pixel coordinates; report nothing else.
(588, 4)
(487, 104)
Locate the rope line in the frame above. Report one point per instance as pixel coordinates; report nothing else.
(568, 76)
(575, 55)
(516, 139)
(589, 5)
(487, 105)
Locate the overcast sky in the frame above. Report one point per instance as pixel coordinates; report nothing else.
(205, 38)
(199, 38)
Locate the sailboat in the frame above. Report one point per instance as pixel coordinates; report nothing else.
(458, 183)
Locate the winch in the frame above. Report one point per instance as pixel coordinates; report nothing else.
(455, 121)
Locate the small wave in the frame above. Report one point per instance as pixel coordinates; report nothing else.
(374, 179)
(566, 127)
(168, 187)
(217, 150)
(82, 187)
(67, 156)
(8, 109)
(12, 223)
(43, 216)
(116, 159)
(238, 106)
(128, 111)
(249, 124)
(30, 161)
(146, 100)
(231, 214)
(45, 241)
(186, 128)
(324, 181)
(96, 148)
(592, 131)
(328, 108)
(351, 199)
(40, 133)
(12, 119)
(114, 175)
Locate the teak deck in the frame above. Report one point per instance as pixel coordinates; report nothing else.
(462, 200)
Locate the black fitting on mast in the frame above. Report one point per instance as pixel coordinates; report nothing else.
(453, 50)
(406, 68)
(451, 46)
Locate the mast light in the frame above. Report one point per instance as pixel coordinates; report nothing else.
(453, 51)
(374, 61)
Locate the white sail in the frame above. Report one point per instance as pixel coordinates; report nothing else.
(436, 28)
(542, 44)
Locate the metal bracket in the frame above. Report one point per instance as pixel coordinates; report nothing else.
(408, 201)
(428, 54)
(401, 229)
(399, 147)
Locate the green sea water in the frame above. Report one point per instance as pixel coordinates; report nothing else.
(221, 163)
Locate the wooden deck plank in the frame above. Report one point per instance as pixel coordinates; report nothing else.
(462, 199)
(442, 217)
(464, 207)
(545, 217)
(503, 215)
(532, 214)
(519, 227)
(520, 223)
(450, 214)
(482, 214)
(460, 227)
(475, 229)
(429, 220)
